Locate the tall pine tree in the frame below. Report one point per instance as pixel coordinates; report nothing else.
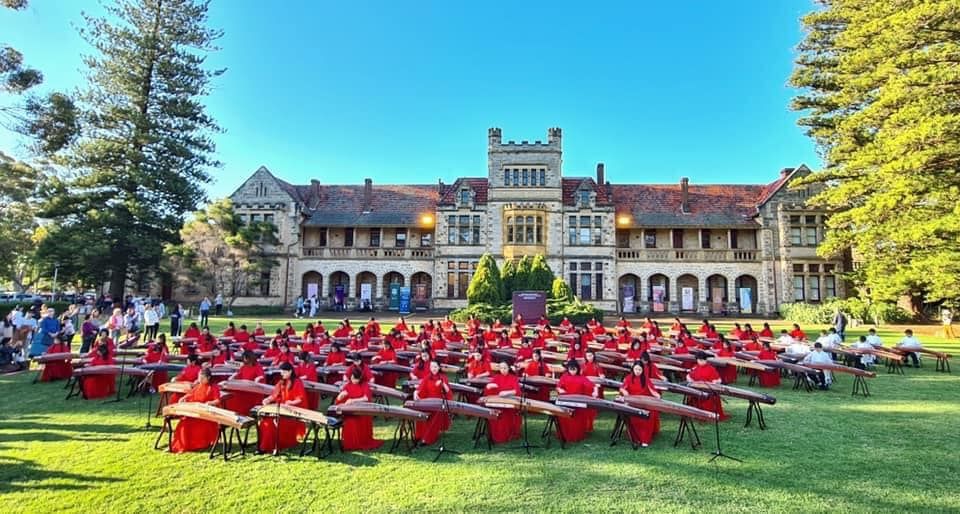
(880, 91)
(145, 148)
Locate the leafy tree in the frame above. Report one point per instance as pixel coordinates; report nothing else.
(485, 286)
(521, 279)
(508, 277)
(18, 188)
(15, 77)
(221, 254)
(560, 290)
(541, 276)
(880, 90)
(145, 145)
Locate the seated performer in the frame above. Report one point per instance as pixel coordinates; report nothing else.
(798, 334)
(823, 377)
(767, 331)
(240, 401)
(99, 386)
(191, 336)
(505, 427)
(306, 370)
(196, 434)
(355, 361)
(57, 370)
(536, 367)
(275, 434)
(910, 344)
(156, 354)
(865, 360)
(259, 331)
(704, 372)
(433, 385)
(577, 427)
(357, 431)
(576, 352)
(590, 366)
(231, 330)
(769, 378)
(642, 431)
(387, 355)
(728, 373)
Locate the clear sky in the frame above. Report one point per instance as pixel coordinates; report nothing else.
(405, 91)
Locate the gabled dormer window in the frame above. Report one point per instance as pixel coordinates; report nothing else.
(464, 198)
(583, 197)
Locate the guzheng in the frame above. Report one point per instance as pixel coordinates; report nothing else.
(609, 383)
(391, 368)
(297, 413)
(740, 363)
(583, 401)
(110, 369)
(336, 369)
(668, 407)
(206, 412)
(610, 356)
(735, 392)
(55, 357)
(377, 409)
(247, 386)
(454, 386)
(839, 368)
(534, 406)
(162, 366)
(321, 388)
(387, 392)
(789, 366)
(175, 387)
(458, 408)
(659, 360)
(539, 381)
(663, 385)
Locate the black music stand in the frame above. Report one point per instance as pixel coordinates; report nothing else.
(445, 409)
(716, 428)
(145, 388)
(525, 445)
(123, 361)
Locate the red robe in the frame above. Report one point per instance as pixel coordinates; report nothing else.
(191, 374)
(576, 428)
(591, 369)
(728, 373)
(537, 369)
(57, 370)
(507, 426)
(291, 432)
(99, 386)
(641, 430)
(155, 355)
(259, 332)
(308, 372)
(766, 333)
(769, 378)
(196, 434)
(342, 332)
(576, 354)
(706, 373)
(427, 432)
(387, 378)
(242, 402)
(357, 431)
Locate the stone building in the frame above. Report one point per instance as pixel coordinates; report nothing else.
(624, 247)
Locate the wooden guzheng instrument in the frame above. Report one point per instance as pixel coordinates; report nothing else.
(458, 408)
(175, 387)
(839, 368)
(297, 413)
(247, 386)
(208, 413)
(663, 385)
(740, 363)
(55, 357)
(779, 364)
(376, 409)
(336, 369)
(110, 369)
(162, 366)
(539, 381)
(454, 386)
(534, 406)
(735, 392)
(321, 387)
(659, 360)
(584, 401)
(391, 368)
(613, 367)
(609, 383)
(387, 392)
(668, 407)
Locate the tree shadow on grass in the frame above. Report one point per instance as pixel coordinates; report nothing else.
(17, 475)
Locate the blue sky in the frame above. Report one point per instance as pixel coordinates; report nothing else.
(405, 91)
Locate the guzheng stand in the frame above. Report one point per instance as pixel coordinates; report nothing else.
(324, 449)
(860, 386)
(687, 427)
(545, 436)
(525, 445)
(719, 451)
(404, 431)
(618, 428)
(754, 407)
(123, 362)
(482, 430)
(225, 438)
(445, 410)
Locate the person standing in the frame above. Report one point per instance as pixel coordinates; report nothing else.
(205, 311)
(48, 329)
(151, 320)
(218, 303)
(176, 315)
(840, 324)
(299, 306)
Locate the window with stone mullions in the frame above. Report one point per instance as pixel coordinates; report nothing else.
(585, 230)
(463, 230)
(525, 230)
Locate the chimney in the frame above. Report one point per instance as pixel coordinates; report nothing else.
(600, 178)
(684, 195)
(440, 185)
(367, 194)
(785, 171)
(315, 184)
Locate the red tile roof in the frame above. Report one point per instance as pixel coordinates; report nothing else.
(709, 205)
(478, 185)
(391, 204)
(573, 184)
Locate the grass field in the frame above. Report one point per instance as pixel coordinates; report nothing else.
(895, 451)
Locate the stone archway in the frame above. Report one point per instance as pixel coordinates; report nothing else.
(392, 281)
(692, 285)
(717, 293)
(311, 281)
(658, 292)
(628, 300)
(746, 282)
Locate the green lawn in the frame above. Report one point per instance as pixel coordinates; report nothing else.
(895, 451)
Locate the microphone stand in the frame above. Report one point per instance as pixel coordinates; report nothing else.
(123, 361)
(523, 412)
(716, 428)
(445, 409)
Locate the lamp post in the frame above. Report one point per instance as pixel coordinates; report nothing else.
(56, 271)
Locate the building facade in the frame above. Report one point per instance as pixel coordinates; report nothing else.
(636, 248)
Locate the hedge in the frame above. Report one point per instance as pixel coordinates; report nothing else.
(854, 308)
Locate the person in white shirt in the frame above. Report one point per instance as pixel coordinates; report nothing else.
(785, 338)
(151, 321)
(874, 339)
(865, 360)
(832, 340)
(818, 356)
(911, 343)
(794, 346)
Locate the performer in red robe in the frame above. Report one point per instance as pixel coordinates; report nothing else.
(357, 431)
(57, 370)
(576, 352)
(207, 342)
(190, 337)
(434, 385)
(242, 336)
(242, 402)
(289, 331)
(768, 378)
(637, 383)
(196, 434)
(259, 331)
(306, 370)
(704, 372)
(343, 330)
(99, 386)
(355, 361)
(590, 366)
(387, 355)
(507, 426)
(636, 351)
(767, 331)
(190, 374)
(157, 353)
(536, 367)
(275, 434)
(798, 334)
(728, 373)
(577, 427)
(565, 325)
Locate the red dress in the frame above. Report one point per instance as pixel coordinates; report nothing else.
(766, 333)
(155, 355)
(191, 374)
(769, 378)
(706, 373)
(537, 369)
(507, 426)
(99, 386)
(57, 370)
(387, 378)
(728, 373)
(427, 432)
(308, 372)
(191, 333)
(196, 434)
(357, 431)
(576, 428)
(282, 433)
(641, 430)
(242, 402)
